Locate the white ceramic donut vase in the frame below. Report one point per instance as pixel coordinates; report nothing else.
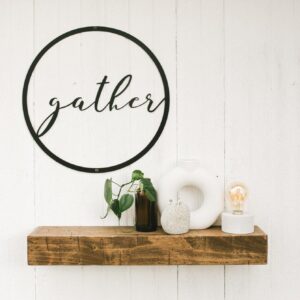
(209, 184)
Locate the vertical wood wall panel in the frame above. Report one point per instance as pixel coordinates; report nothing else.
(17, 214)
(249, 117)
(153, 22)
(60, 196)
(262, 137)
(201, 116)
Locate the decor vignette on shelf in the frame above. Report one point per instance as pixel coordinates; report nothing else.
(113, 245)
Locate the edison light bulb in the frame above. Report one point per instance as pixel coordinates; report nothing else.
(237, 195)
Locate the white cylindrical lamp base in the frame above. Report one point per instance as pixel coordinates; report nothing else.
(237, 224)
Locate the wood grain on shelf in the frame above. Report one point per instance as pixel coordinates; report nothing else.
(124, 246)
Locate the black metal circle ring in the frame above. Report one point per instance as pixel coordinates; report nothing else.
(157, 134)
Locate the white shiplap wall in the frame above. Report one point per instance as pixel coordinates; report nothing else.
(233, 68)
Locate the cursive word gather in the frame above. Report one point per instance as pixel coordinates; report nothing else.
(79, 103)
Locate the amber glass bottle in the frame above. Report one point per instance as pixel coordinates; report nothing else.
(145, 213)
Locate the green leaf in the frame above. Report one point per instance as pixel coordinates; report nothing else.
(115, 207)
(107, 211)
(146, 183)
(148, 188)
(108, 191)
(125, 202)
(150, 194)
(137, 175)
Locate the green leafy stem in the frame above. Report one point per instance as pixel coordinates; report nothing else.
(119, 202)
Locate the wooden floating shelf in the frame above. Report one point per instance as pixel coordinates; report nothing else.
(125, 246)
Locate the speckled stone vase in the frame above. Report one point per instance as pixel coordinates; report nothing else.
(175, 218)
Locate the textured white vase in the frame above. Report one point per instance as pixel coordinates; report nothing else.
(175, 218)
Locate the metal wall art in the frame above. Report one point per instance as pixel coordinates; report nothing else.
(96, 99)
